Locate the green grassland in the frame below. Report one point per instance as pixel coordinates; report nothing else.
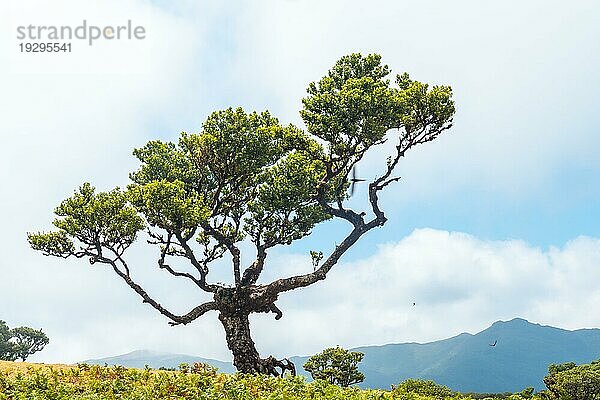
(26, 381)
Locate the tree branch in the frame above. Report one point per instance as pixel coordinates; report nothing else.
(186, 252)
(202, 269)
(298, 281)
(252, 273)
(195, 313)
(235, 252)
(357, 220)
(176, 319)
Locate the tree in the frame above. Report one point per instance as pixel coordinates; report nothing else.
(336, 365)
(20, 342)
(569, 381)
(246, 178)
(6, 347)
(28, 341)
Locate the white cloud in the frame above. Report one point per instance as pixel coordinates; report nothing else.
(459, 282)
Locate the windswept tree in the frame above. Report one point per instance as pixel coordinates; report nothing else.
(28, 341)
(247, 178)
(20, 342)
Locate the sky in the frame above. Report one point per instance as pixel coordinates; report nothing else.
(496, 219)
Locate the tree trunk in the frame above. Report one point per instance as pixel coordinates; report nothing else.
(245, 356)
(237, 333)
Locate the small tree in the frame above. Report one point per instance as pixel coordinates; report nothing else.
(6, 347)
(336, 365)
(20, 342)
(28, 341)
(246, 179)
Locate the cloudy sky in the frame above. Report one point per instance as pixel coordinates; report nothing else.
(498, 218)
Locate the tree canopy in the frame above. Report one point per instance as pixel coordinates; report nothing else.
(569, 381)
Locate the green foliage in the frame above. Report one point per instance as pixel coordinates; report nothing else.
(201, 382)
(423, 107)
(354, 106)
(168, 205)
(257, 173)
(527, 393)
(28, 341)
(556, 368)
(6, 348)
(573, 382)
(242, 168)
(21, 342)
(430, 389)
(100, 383)
(93, 221)
(336, 365)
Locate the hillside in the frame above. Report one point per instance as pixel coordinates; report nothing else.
(153, 359)
(469, 364)
(466, 362)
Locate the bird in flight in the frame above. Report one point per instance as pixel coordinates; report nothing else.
(414, 304)
(494, 344)
(354, 180)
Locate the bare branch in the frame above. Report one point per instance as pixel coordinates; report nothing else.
(202, 269)
(176, 319)
(168, 249)
(298, 281)
(235, 252)
(252, 273)
(195, 313)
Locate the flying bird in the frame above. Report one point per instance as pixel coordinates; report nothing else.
(494, 344)
(354, 180)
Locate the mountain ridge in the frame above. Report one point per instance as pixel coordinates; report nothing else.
(465, 362)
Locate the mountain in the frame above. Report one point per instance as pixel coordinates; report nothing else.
(153, 359)
(465, 362)
(469, 364)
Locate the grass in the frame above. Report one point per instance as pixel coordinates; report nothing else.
(12, 368)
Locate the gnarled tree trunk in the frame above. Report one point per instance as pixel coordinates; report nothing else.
(237, 332)
(245, 356)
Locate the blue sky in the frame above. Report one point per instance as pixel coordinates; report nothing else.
(546, 93)
(508, 197)
(541, 87)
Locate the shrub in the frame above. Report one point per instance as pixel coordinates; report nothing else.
(423, 388)
(336, 365)
(571, 382)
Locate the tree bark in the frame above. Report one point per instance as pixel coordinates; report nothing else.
(239, 341)
(245, 356)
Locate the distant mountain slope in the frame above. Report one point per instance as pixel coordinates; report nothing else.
(141, 358)
(468, 363)
(465, 362)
